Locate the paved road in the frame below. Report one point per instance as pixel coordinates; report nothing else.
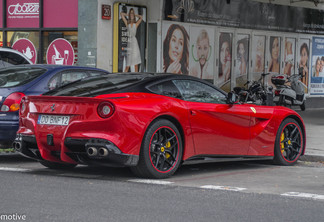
(240, 191)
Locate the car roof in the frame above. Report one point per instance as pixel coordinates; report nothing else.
(148, 78)
(60, 67)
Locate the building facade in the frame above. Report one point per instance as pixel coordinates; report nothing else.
(225, 42)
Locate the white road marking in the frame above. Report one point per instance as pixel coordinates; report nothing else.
(222, 188)
(147, 181)
(14, 169)
(304, 195)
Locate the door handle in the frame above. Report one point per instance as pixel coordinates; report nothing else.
(193, 113)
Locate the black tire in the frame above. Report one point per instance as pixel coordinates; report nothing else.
(289, 143)
(57, 166)
(161, 151)
(303, 106)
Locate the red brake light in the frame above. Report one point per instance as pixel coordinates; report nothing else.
(105, 109)
(11, 104)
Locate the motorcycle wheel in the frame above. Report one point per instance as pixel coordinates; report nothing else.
(303, 106)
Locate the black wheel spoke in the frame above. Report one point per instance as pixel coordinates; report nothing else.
(157, 161)
(155, 143)
(162, 163)
(155, 152)
(288, 153)
(168, 162)
(295, 150)
(293, 132)
(171, 138)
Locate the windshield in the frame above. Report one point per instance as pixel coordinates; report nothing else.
(94, 86)
(17, 76)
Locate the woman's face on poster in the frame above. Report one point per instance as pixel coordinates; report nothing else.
(132, 14)
(303, 57)
(275, 49)
(176, 45)
(225, 52)
(241, 49)
(203, 50)
(318, 65)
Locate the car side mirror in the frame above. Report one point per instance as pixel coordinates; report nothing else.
(231, 98)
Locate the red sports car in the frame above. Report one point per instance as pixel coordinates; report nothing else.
(152, 123)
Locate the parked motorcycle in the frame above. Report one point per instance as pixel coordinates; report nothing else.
(258, 92)
(290, 91)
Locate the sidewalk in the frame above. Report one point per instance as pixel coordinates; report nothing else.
(314, 123)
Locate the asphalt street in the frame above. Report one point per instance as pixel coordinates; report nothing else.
(232, 191)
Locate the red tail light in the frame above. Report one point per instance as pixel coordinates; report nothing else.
(11, 104)
(105, 109)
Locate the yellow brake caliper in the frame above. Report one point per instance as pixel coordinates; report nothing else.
(282, 145)
(167, 145)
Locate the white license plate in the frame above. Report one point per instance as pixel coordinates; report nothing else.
(53, 120)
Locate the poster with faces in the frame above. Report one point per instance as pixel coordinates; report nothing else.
(258, 55)
(225, 60)
(242, 59)
(289, 56)
(201, 51)
(303, 58)
(175, 44)
(274, 54)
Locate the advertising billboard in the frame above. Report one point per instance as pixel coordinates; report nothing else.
(130, 31)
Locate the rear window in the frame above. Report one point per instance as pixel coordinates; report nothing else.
(11, 58)
(98, 85)
(17, 76)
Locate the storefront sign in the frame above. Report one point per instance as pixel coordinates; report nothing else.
(60, 14)
(245, 14)
(129, 38)
(22, 14)
(106, 12)
(27, 48)
(60, 52)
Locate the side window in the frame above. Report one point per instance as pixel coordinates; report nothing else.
(195, 91)
(71, 76)
(166, 88)
(54, 82)
(4, 59)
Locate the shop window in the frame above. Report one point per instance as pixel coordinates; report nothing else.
(70, 36)
(25, 42)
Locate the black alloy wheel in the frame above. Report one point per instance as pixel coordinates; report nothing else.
(289, 143)
(161, 151)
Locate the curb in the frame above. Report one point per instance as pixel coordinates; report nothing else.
(312, 158)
